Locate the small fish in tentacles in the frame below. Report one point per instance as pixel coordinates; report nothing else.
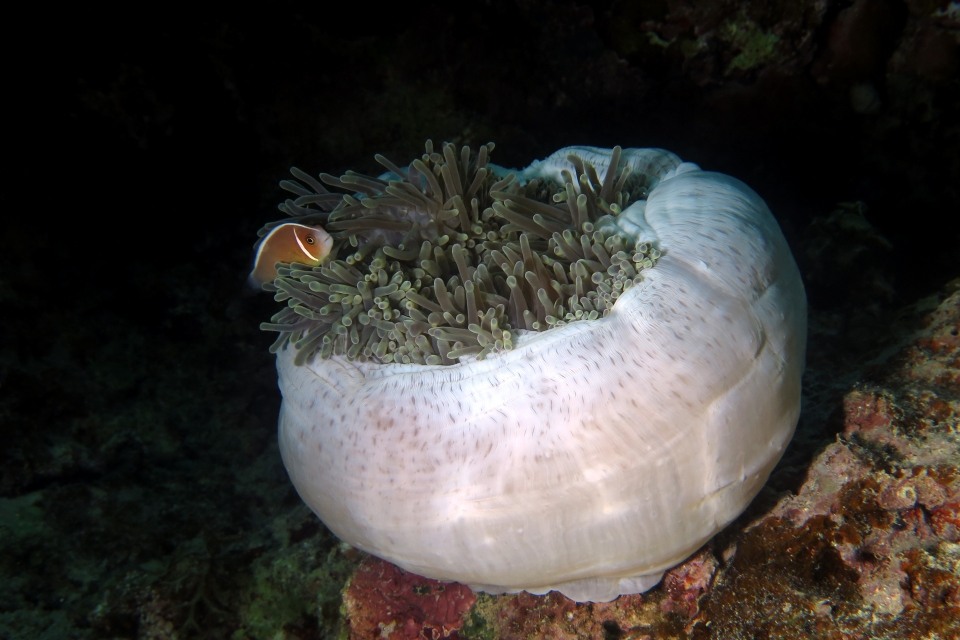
(289, 242)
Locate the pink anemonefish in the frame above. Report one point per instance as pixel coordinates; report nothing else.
(289, 242)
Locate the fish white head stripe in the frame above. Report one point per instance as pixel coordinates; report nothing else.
(303, 248)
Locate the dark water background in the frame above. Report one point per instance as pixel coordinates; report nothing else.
(137, 396)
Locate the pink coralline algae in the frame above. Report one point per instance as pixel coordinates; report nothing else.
(384, 601)
(683, 585)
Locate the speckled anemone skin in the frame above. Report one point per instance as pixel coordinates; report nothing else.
(588, 458)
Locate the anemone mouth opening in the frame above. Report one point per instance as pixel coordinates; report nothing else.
(446, 260)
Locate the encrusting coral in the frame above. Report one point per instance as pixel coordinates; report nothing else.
(450, 257)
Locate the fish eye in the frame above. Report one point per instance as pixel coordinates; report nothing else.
(309, 239)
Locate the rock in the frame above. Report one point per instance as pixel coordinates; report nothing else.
(385, 601)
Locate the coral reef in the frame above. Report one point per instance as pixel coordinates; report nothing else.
(151, 502)
(141, 492)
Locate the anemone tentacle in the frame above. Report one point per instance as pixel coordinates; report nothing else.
(452, 258)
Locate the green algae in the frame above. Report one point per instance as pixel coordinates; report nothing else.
(691, 47)
(296, 587)
(296, 583)
(476, 626)
(757, 47)
(654, 39)
(21, 517)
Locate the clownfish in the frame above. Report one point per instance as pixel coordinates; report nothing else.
(289, 242)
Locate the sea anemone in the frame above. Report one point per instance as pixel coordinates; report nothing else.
(438, 273)
(568, 377)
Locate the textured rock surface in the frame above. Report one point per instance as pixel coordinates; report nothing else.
(384, 600)
(868, 546)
